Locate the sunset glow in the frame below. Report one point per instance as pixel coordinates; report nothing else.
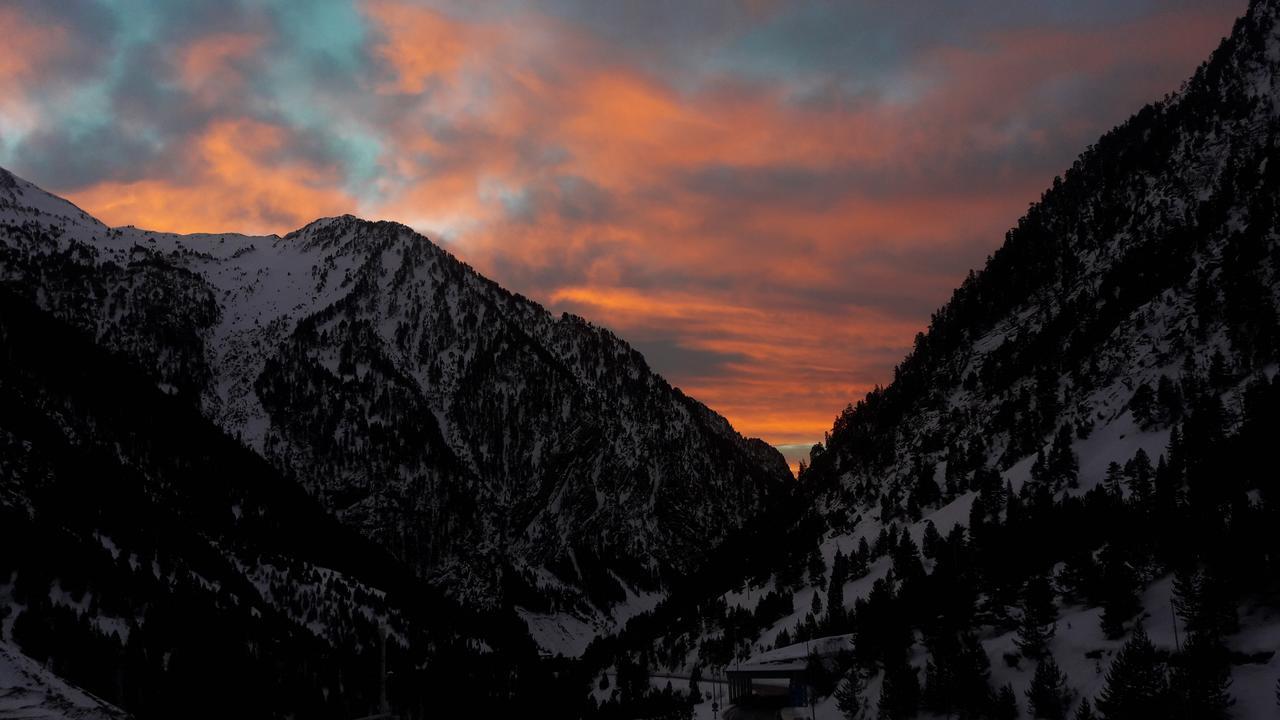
(767, 212)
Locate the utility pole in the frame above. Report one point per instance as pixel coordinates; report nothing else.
(1173, 613)
(383, 706)
(715, 695)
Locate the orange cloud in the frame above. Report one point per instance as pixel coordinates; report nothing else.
(209, 68)
(420, 44)
(237, 183)
(794, 246)
(26, 48)
(783, 367)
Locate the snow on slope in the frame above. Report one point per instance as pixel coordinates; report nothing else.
(28, 690)
(496, 447)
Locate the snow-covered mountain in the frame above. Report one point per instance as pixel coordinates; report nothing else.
(150, 559)
(28, 690)
(1151, 263)
(1075, 462)
(508, 454)
(1066, 494)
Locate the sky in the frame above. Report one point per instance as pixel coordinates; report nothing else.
(768, 199)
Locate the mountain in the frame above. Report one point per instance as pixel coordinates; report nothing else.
(28, 690)
(243, 463)
(152, 560)
(512, 457)
(1150, 262)
(1075, 461)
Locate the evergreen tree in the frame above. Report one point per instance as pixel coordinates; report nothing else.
(1141, 405)
(1063, 466)
(971, 692)
(817, 568)
(821, 678)
(849, 696)
(1013, 509)
(1140, 475)
(1136, 685)
(1168, 399)
(1200, 680)
(907, 565)
(835, 589)
(1166, 489)
(1119, 588)
(899, 692)
(1006, 704)
(1113, 480)
(1036, 626)
(1040, 467)
(883, 543)
(1186, 594)
(1219, 370)
(1085, 711)
(1204, 603)
(1048, 697)
(860, 566)
(930, 541)
(956, 676)
(783, 639)
(924, 491)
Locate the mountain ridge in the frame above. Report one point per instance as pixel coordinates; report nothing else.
(1070, 464)
(370, 335)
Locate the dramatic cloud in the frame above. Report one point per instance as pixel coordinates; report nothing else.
(767, 198)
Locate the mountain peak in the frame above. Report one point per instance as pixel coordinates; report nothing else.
(22, 201)
(506, 454)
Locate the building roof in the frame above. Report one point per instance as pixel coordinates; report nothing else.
(787, 668)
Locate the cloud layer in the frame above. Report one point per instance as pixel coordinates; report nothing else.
(767, 198)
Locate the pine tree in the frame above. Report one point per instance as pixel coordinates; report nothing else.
(930, 541)
(821, 678)
(1006, 704)
(835, 588)
(1040, 467)
(783, 639)
(936, 694)
(859, 567)
(882, 541)
(1136, 682)
(906, 561)
(1204, 603)
(1200, 679)
(1036, 626)
(973, 695)
(1119, 589)
(899, 692)
(925, 491)
(1048, 697)
(849, 696)
(1141, 404)
(1140, 475)
(1063, 465)
(1186, 594)
(817, 568)
(1085, 711)
(1112, 481)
